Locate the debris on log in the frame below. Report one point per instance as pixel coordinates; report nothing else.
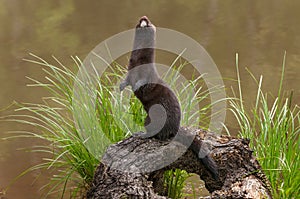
(134, 167)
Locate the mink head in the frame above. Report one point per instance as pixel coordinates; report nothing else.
(144, 34)
(144, 44)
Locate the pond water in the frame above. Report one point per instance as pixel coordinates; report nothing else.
(260, 31)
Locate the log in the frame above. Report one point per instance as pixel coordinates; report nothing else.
(134, 167)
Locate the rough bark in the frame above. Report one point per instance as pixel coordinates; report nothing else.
(134, 167)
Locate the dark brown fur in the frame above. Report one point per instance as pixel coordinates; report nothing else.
(152, 94)
(149, 88)
(158, 100)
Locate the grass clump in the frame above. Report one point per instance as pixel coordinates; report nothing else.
(76, 125)
(174, 182)
(63, 148)
(273, 126)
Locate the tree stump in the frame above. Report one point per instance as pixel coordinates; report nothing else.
(134, 167)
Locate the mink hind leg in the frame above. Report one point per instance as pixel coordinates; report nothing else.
(160, 123)
(155, 120)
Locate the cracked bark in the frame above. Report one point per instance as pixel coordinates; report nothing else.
(134, 167)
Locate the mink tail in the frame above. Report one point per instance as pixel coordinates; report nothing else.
(200, 149)
(205, 159)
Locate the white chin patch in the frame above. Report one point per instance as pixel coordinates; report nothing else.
(143, 23)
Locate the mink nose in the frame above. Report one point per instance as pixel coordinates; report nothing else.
(144, 21)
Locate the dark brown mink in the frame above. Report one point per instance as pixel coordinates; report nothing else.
(159, 101)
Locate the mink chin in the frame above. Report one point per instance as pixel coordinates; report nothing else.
(159, 101)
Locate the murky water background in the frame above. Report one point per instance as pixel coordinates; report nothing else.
(260, 31)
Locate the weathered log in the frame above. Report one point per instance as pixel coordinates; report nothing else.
(134, 167)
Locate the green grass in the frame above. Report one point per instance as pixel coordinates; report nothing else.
(174, 182)
(75, 134)
(273, 128)
(63, 148)
(75, 130)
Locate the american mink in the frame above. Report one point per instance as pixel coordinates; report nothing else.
(159, 101)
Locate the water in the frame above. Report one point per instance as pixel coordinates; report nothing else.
(260, 31)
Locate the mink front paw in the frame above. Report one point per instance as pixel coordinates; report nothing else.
(139, 84)
(123, 85)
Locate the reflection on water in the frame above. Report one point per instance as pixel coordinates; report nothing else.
(260, 31)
